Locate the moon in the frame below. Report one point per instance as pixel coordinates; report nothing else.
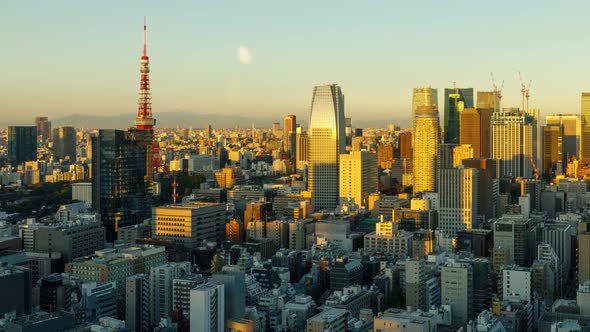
(244, 55)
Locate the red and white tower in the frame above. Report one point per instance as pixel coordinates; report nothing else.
(144, 120)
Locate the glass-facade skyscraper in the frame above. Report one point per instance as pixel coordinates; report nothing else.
(326, 143)
(119, 187)
(64, 143)
(514, 142)
(22, 144)
(455, 101)
(426, 137)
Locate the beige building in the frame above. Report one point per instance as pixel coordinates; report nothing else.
(388, 240)
(190, 224)
(457, 291)
(329, 320)
(458, 199)
(358, 176)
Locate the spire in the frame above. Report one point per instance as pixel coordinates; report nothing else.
(144, 37)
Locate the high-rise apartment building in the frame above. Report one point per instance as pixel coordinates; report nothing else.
(514, 143)
(459, 199)
(326, 143)
(43, 127)
(553, 159)
(22, 144)
(64, 143)
(161, 278)
(426, 139)
(456, 100)
(137, 302)
(585, 112)
(358, 176)
(475, 130)
(207, 308)
(119, 186)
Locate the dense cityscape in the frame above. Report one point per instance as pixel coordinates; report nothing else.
(473, 218)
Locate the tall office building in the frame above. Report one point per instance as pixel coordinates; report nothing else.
(456, 100)
(475, 130)
(358, 176)
(572, 132)
(488, 100)
(585, 112)
(457, 291)
(424, 97)
(289, 134)
(459, 199)
(553, 159)
(301, 149)
(43, 127)
(119, 189)
(426, 139)
(64, 143)
(405, 144)
(207, 308)
(22, 144)
(514, 142)
(487, 185)
(511, 236)
(326, 143)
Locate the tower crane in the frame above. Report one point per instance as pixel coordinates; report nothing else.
(497, 90)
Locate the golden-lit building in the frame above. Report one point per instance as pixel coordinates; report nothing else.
(234, 231)
(461, 152)
(227, 177)
(358, 176)
(190, 224)
(241, 325)
(426, 140)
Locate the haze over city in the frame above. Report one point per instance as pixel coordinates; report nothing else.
(67, 57)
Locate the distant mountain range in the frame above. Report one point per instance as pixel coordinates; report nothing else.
(187, 119)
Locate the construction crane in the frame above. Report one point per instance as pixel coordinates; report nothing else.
(525, 90)
(536, 173)
(497, 90)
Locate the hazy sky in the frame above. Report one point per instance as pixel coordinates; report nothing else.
(64, 57)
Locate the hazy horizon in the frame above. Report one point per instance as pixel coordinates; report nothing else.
(231, 58)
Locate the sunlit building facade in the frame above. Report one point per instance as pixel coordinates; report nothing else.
(426, 140)
(326, 143)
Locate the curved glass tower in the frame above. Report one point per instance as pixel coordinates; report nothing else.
(426, 140)
(326, 142)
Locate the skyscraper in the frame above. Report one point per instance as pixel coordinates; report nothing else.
(487, 185)
(358, 176)
(475, 130)
(22, 144)
(119, 189)
(64, 143)
(553, 149)
(459, 199)
(488, 100)
(326, 143)
(455, 101)
(289, 134)
(426, 139)
(43, 127)
(585, 155)
(572, 132)
(514, 142)
(423, 97)
(405, 144)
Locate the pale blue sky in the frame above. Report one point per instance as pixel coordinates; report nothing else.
(64, 57)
